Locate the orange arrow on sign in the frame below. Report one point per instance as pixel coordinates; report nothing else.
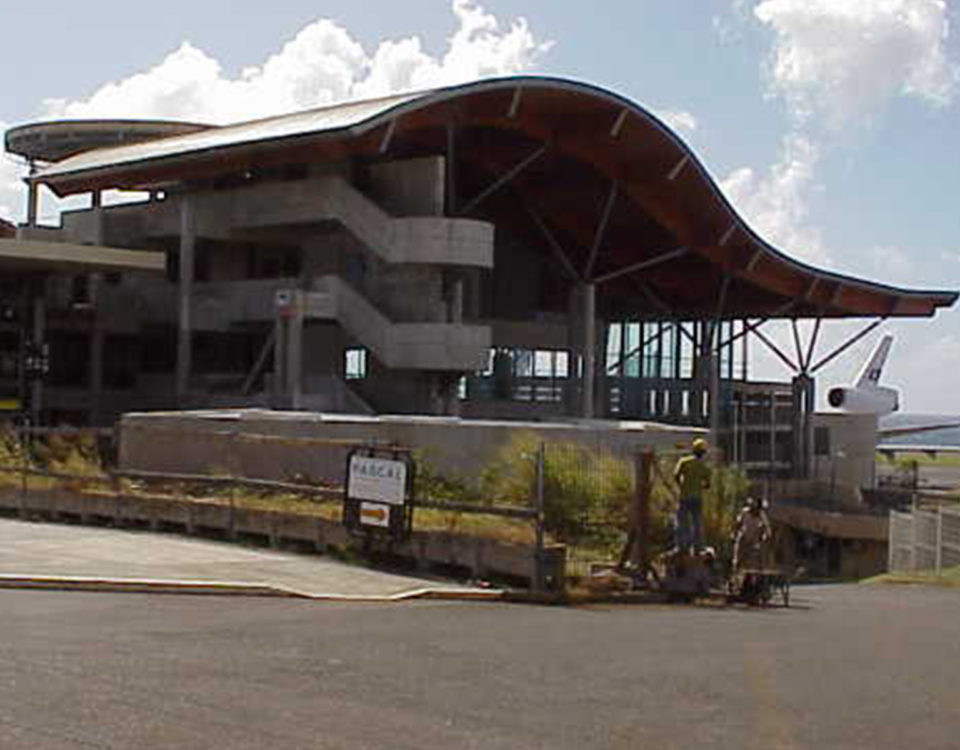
(377, 514)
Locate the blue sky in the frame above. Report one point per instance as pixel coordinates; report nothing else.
(831, 124)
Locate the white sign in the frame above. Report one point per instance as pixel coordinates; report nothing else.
(375, 514)
(378, 479)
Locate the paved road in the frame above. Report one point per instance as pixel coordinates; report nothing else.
(853, 667)
(40, 549)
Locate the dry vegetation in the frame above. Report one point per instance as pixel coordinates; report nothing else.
(588, 493)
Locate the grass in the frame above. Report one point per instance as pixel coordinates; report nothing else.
(920, 458)
(477, 525)
(948, 578)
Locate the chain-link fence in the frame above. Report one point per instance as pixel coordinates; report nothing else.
(615, 508)
(924, 540)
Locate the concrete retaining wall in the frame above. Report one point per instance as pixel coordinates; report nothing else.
(282, 445)
(481, 557)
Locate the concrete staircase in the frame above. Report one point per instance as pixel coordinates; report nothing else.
(427, 239)
(226, 215)
(405, 346)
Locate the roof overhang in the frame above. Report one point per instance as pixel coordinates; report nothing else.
(30, 255)
(600, 184)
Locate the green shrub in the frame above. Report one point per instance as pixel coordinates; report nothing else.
(587, 493)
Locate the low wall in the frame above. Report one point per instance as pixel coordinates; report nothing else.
(287, 445)
(481, 557)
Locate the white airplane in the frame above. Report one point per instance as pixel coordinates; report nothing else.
(867, 396)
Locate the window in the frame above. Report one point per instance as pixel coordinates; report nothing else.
(355, 364)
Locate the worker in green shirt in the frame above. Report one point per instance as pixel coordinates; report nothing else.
(692, 474)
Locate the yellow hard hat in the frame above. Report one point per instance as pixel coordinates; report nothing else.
(699, 445)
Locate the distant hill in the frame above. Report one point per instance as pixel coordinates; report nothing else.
(7, 229)
(934, 437)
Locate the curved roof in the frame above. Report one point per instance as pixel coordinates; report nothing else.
(53, 141)
(597, 183)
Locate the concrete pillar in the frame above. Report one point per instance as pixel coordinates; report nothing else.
(279, 380)
(96, 207)
(713, 362)
(572, 400)
(450, 175)
(455, 301)
(803, 406)
(33, 199)
(589, 321)
(38, 336)
(96, 352)
(188, 241)
(294, 352)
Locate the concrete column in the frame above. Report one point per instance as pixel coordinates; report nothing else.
(589, 321)
(572, 400)
(450, 175)
(188, 241)
(96, 352)
(294, 352)
(97, 207)
(279, 381)
(39, 334)
(455, 301)
(33, 199)
(803, 406)
(713, 362)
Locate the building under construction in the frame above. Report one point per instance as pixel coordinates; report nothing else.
(520, 248)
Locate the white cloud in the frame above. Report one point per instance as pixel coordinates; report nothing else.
(11, 188)
(322, 64)
(775, 203)
(837, 64)
(680, 120)
(842, 60)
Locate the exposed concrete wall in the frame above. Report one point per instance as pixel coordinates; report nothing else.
(545, 334)
(411, 294)
(231, 214)
(412, 187)
(323, 347)
(278, 444)
(499, 409)
(401, 391)
(851, 463)
(226, 262)
(514, 287)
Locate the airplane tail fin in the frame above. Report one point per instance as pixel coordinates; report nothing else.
(870, 374)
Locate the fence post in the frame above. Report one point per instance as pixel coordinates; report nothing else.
(891, 539)
(118, 513)
(22, 510)
(644, 483)
(913, 538)
(939, 548)
(232, 487)
(539, 582)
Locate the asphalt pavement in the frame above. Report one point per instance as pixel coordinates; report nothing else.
(849, 667)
